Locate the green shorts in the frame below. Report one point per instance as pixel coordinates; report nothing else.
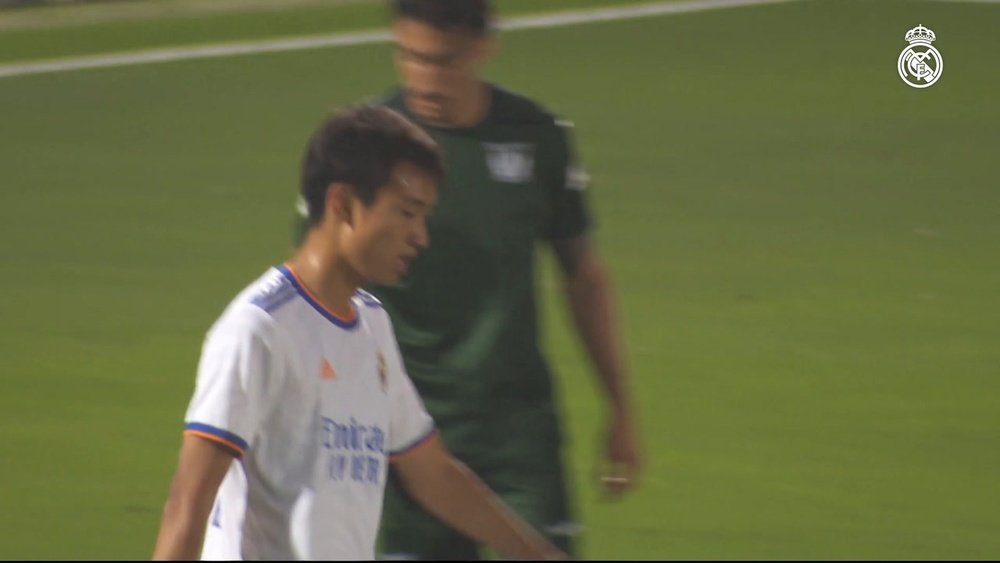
(538, 494)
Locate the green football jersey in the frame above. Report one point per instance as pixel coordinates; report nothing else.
(465, 315)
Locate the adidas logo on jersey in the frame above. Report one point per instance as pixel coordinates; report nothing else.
(326, 370)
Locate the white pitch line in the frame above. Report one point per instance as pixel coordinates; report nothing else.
(188, 53)
(361, 38)
(74, 15)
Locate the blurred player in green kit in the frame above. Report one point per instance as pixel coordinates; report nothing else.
(465, 315)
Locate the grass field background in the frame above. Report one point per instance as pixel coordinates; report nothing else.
(807, 255)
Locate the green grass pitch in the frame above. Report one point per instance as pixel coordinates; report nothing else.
(807, 255)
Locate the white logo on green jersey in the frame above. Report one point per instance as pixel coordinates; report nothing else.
(576, 177)
(511, 163)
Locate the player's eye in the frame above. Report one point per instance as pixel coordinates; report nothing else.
(448, 61)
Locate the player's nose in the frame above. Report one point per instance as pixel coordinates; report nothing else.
(427, 74)
(421, 236)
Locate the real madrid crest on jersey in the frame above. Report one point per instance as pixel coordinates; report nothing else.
(381, 372)
(511, 163)
(920, 64)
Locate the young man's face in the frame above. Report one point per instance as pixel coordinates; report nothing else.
(388, 234)
(436, 67)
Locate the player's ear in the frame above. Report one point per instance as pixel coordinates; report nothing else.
(339, 202)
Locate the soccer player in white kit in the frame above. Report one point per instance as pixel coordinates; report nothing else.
(301, 398)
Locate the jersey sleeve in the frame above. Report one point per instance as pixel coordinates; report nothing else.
(237, 373)
(567, 181)
(410, 426)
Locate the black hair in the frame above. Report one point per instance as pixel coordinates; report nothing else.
(359, 146)
(447, 15)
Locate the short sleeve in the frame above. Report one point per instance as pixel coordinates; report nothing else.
(237, 373)
(568, 181)
(410, 426)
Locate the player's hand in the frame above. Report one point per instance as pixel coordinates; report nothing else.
(545, 551)
(554, 555)
(622, 464)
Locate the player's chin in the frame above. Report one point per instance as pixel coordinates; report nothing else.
(387, 276)
(434, 113)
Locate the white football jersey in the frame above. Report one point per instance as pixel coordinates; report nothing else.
(314, 405)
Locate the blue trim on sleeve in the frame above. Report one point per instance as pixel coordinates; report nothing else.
(224, 434)
(416, 443)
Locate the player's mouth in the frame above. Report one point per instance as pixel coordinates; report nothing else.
(429, 104)
(403, 264)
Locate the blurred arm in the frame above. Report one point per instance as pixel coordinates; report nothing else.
(449, 490)
(200, 470)
(594, 311)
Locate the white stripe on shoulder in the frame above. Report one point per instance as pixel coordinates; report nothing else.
(273, 293)
(368, 299)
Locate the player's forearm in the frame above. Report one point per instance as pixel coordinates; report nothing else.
(592, 303)
(462, 501)
(202, 466)
(182, 532)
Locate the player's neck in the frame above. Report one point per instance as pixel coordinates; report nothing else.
(473, 105)
(477, 106)
(326, 276)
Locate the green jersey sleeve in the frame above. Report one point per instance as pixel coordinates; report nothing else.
(566, 183)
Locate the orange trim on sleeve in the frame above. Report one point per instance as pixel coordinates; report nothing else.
(211, 437)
